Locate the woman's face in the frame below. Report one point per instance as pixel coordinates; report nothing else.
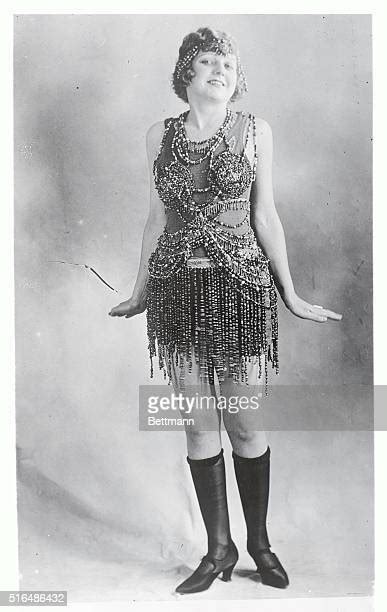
(215, 76)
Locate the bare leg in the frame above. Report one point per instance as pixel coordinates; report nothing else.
(242, 416)
(203, 437)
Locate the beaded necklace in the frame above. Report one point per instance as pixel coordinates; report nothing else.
(183, 144)
(182, 147)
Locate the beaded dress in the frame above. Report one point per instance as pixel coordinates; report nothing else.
(210, 294)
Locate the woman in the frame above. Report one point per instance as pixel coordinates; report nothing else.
(205, 281)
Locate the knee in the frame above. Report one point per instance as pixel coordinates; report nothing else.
(242, 436)
(200, 438)
(252, 442)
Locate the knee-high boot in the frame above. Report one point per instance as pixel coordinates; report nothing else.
(253, 479)
(210, 485)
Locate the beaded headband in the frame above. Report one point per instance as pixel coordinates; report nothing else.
(185, 60)
(220, 46)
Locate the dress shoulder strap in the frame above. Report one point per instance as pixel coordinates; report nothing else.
(250, 141)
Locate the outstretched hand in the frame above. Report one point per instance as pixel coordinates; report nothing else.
(129, 308)
(304, 310)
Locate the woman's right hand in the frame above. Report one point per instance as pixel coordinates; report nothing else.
(129, 308)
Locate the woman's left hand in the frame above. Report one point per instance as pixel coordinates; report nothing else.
(304, 310)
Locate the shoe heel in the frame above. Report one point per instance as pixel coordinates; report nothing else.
(226, 576)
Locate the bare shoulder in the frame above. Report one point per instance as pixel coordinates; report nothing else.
(154, 136)
(155, 131)
(263, 127)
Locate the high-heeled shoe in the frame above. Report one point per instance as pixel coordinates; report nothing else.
(269, 567)
(253, 479)
(208, 569)
(209, 479)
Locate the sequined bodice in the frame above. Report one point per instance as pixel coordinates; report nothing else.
(205, 189)
(189, 188)
(229, 175)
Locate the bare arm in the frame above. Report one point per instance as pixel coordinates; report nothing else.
(270, 235)
(154, 226)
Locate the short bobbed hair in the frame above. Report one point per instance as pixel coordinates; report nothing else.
(205, 39)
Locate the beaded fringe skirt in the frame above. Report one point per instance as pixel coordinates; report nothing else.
(223, 321)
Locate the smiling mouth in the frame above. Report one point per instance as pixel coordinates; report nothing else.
(216, 82)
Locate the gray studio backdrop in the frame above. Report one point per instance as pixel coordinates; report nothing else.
(105, 510)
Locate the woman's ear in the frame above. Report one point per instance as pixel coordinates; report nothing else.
(235, 95)
(187, 76)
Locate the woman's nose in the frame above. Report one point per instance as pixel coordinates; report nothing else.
(219, 68)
